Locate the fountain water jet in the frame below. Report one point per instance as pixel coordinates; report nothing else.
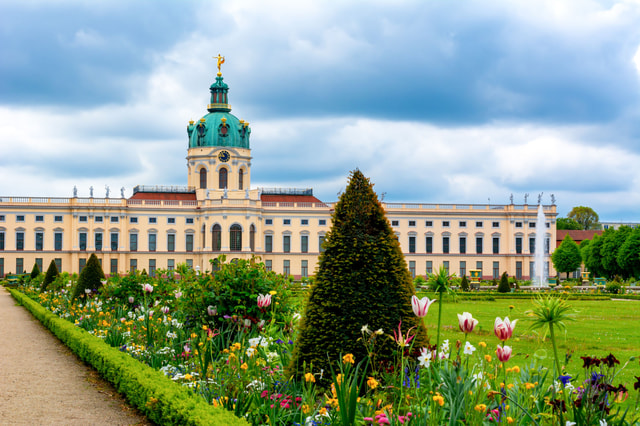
(540, 279)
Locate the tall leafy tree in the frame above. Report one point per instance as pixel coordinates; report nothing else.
(585, 216)
(613, 241)
(594, 258)
(566, 223)
(362, 280)
(567, 257)
(629, 255)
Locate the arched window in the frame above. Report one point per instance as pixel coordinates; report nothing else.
(240, 179)
(235, 235)
(252, 238)
(216, 243)
(222, 178)
(203, 178)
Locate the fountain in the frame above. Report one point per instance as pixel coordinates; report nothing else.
(540, 279)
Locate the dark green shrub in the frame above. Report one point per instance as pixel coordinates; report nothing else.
(613, 287)
(504, 286)
(50, 276)
(419, 281)
(35, 271)
(362, 279)
(90, 278)
(464, 283)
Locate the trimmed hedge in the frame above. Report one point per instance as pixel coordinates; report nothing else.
(159, 398)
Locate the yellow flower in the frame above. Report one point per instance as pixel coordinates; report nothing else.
(232, 357)
(273, 292)
(188, 376)
(310, 378)
(487, 358)
(529, 386)
(439, 399)
(510, 420)
(372, 383)
(515, 369)
(237, 346)
(510, 385)
(511, 307)
(480, 408)
(323, 411)
(244, 366)
(305, 408)
(339, 379)
(348, 358)
(482, 345)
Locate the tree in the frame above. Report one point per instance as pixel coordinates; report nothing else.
(594, 258)
(567, 257)
(464, 283)
(629, 254)
(90, 278)
(585, 216)
(566, 223)
(50, 276)
(35, 271)
(362, 280)
(613, 241)
(504, 286)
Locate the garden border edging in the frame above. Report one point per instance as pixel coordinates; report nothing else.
(155, 395)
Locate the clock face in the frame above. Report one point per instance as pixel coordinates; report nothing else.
(224, 156)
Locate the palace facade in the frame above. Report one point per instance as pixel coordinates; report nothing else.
(220, 213)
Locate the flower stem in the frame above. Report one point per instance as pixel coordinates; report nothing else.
(439, 319)
(555, 349)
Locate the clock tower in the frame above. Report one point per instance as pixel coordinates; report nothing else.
(219, 153)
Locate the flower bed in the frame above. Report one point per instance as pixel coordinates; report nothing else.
(230, 344)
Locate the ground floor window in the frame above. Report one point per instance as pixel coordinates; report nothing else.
(412, 268)
(152, 267)
(268, 265)
(133, 265)
(19, 265)
(286, 268)
(113, 269)
(496, 270)
(304, 268)
(81, 264)
(519, 270)
(429, 267)
(463, 268)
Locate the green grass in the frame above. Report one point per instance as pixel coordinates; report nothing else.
(601, 328)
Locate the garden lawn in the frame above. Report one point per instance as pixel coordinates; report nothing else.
(601, 328)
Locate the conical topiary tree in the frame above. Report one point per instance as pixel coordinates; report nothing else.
(35, 271)
(50, 276)
(90, 278)
(464, 283)
(504, 286)
(362, 279)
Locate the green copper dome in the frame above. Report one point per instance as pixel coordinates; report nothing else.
(219, 127)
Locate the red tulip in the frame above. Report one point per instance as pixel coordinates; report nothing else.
(466, 322)
(504, 353)
(504, 329)
(421, 306)
(264, 300)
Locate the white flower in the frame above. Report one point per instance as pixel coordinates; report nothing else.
(569, 423)
(271, 356)
(379, 332)
(445, 346)
(603, 422)
(250, 352)
(425, 357)
(468, 348)
(365, 329)
(247, 322)
(296, 316)
(171, 335)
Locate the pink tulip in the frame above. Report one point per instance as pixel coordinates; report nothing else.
(147, 288)
(212, 310)
(264, 300)
(466, 322)
(421, 306)
(504, 329)
(131, 299)
(504, 353)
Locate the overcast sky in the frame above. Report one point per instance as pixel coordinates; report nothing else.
(435, 101)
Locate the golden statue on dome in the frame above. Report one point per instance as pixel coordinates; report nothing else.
(220, 62)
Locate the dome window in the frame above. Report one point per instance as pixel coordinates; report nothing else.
(222, 178)
(203, 178)
(223, 129)
(202, 130)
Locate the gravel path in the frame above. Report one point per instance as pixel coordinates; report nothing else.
(43, 383)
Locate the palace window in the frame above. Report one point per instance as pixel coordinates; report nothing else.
(153, 240)
(445, 244)
(304, 243)
(240, 179)
(203, 178)
(268, 243)
(463, 245)
(412, 244)
(189, 242)
(429, 244)
(19, 241)
(98, 241)
(222, 178)
(216, 236)
(133, 241)
(286, 243)
(252, 238)
(39, 241)
(235, 235)
(82, 240)
(57, 241)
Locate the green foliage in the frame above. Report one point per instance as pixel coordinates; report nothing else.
(564, 223)
(158, 397)
(504, 286)
(594, 256)
(419, 281)
(90, 278)
(629, 254)
(50, 276)
(613, 287)
(362, 279)
(464, 283)
(35, 271)
(585, 216)
(567, 257)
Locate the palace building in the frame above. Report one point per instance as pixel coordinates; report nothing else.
(220, 213)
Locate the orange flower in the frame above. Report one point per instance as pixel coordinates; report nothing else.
(348, 358)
